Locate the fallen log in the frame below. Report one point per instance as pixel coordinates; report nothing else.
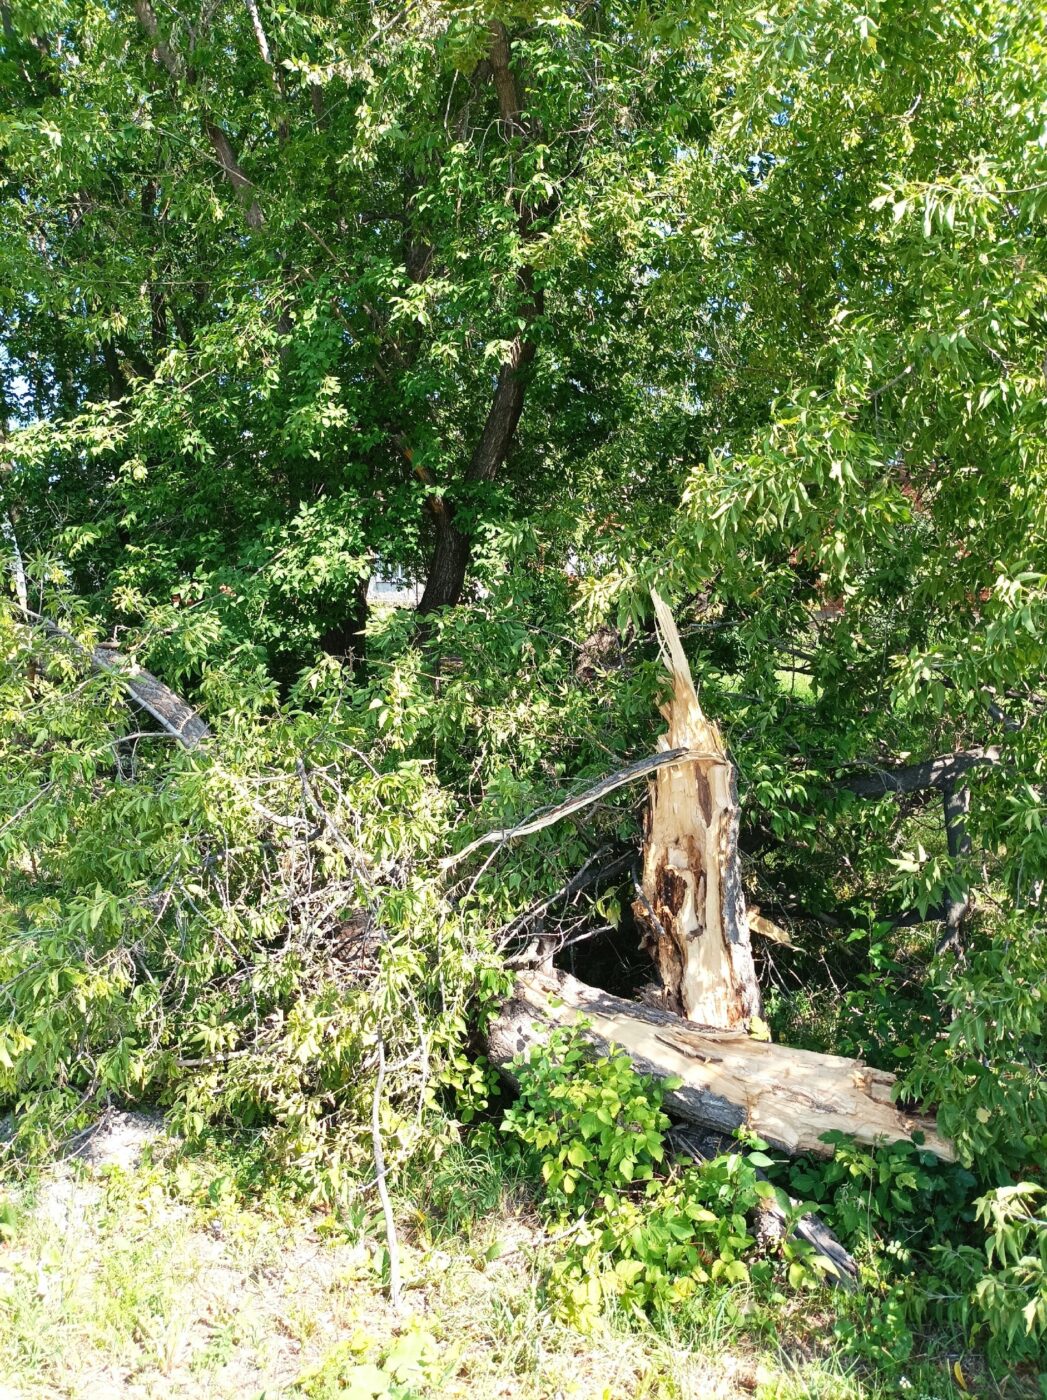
(789, 1097)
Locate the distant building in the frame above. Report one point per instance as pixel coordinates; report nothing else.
(394, 592)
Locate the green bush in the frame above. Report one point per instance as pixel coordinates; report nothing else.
(996, 1292)
(934, 1249)
(227, 931)
(644, 1236)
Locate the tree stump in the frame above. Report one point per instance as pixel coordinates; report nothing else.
(692, 907)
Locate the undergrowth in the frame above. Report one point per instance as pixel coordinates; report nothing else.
(938, 1254)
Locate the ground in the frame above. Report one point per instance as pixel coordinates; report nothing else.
(131, 1270)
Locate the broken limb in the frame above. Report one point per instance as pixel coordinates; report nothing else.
(791, 1098)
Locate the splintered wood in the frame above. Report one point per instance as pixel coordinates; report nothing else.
(692, 911)
(728, 1080)
(692, 907)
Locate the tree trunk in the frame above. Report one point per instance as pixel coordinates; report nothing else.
(347, 638)
(791, 1098)
(691, 904)
(450, 562)
(956, 803)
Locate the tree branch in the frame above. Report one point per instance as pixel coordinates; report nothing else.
(915, 777)
(642, 768)
(171, 60)
(174, 715)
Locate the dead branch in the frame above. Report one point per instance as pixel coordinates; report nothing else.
(642, 768)
(392, 1245)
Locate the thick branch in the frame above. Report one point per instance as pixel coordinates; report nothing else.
(956, 803)
(446, 578)
(233, 172)
(259, 33)
(506, 84)
(915, 777)
(772, 1221)
(163, 53)
(641, 768)
(173, 714)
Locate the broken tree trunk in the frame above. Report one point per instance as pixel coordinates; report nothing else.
(792, 1098)
(691, 905)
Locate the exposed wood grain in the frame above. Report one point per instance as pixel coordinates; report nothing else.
(691, 906)
(790, 1097)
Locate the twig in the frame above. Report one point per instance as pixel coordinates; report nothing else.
(545, 1241)
(383, 1193)
(578, 882)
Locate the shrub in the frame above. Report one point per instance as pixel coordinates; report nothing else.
(644, 1236)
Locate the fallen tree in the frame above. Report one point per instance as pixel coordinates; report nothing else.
(691, 907)
(791, 1098)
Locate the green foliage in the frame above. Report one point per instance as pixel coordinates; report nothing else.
(996, 1292)
(895, 1191)
(414, 1365)
(986, 1072)
(644, 1237)
(224, 931)
(935, 1251)
(780, 278)
(641, 1236)
(594, 1128)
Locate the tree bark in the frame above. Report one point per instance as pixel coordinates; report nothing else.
(691, 905)
(450, 562)
(791, 1098)
(956, 803)
(932, 772)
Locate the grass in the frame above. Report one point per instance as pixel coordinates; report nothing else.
(157, 1277)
